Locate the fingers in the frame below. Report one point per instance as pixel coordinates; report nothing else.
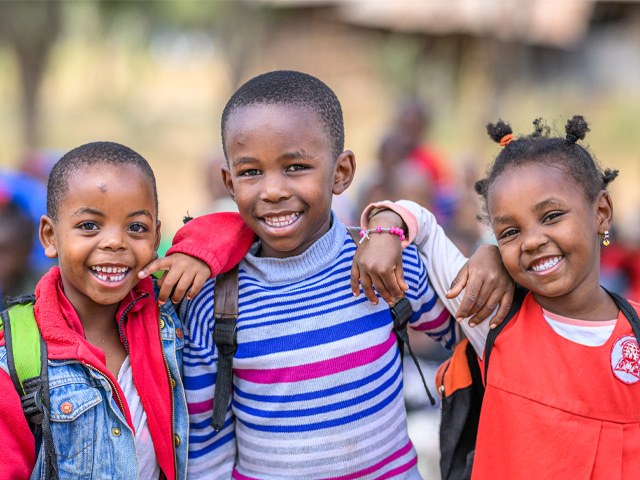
(197, 285)
(184, 283)
(469, 301)
(459, 282)
(151, 268)
(503, 310)
(166, 284)
(355, 280)
(367, 288)
(388, 290)
(486, 310)
(400, 278)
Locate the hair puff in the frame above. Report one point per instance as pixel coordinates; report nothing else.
(576, 128)
(498, 130)
(609, 176)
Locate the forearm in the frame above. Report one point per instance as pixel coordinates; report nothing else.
(219, 239)
(442, 259)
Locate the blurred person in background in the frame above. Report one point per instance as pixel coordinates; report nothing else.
(26, 187)
(382, 181)
(413, 121)
(219, 199)
(17, 233)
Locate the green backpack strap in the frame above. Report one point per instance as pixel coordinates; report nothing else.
(28, 369)
(22, 339)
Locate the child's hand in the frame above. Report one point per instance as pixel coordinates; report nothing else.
(377, 264)
(487, 285)
(181, 271)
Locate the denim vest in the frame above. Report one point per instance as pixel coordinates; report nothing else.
(94, 441)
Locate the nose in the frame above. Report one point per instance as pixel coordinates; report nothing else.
(533, 240)
(113, 239)
(274, 188)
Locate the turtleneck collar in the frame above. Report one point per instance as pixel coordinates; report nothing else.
(292, 269)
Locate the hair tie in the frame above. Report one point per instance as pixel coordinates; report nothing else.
(506, 140)
(571, 138)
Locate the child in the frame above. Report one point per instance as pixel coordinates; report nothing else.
(317, 375)
(576, 413)
(118, 408)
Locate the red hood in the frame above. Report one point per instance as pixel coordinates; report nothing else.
(141, 332)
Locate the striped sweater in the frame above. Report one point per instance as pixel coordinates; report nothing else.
(317, 375)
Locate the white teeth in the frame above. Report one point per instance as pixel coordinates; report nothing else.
(110, 278)
(547, 264)
(281, 221)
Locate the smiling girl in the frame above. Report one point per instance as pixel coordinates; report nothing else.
(563, 387)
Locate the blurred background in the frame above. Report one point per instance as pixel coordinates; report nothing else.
(418, 81)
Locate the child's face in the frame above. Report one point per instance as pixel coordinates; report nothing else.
(106, 231)
(547, 230)
(282, 175)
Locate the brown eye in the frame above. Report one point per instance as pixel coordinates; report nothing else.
(138, 228)
(88, 226)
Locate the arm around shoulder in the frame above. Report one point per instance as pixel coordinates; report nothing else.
(219, 239)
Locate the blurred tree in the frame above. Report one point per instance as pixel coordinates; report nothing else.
(238, 26)
(30, 28)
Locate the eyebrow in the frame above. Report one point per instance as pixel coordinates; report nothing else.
(85, 210)
(242, 160)
(297, 155)
(300, 154)
(91, 211)
(549, 202)
(144, 212)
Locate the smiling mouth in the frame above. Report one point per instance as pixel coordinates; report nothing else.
(545, 264)
(110, 273)
(282, 220)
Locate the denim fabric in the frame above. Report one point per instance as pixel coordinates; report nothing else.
(93, 440)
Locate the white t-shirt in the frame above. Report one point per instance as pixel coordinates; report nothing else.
(148, 468)
(585, 332)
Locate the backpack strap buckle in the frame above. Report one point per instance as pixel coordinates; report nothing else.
(31, 401)
(225, 334)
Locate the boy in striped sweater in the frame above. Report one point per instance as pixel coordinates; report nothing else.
(317, 388)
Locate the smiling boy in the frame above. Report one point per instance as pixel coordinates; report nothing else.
(317, 374)
(114, 355)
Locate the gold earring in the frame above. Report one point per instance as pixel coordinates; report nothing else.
(605, 238)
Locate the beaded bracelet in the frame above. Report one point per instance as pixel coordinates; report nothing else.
(364, 234)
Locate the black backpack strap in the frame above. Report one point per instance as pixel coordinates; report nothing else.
(518, 297)
(401, 313)
(225, 314)
(628, 311)
(31, 359)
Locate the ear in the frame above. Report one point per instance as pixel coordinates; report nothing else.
(343, 171)
(604, 211)
(226, 178)
(48, 237)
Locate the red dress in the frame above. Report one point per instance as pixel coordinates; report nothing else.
(555, 409)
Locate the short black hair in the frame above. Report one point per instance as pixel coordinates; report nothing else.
(540, 147)
(89, 154)
(288, 87)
